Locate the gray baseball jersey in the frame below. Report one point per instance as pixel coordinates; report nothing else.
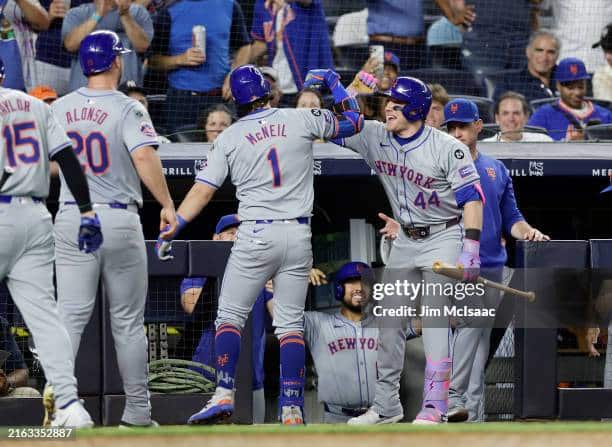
(344, 354)
(105, 127)
(269, 155)
(31, 137)
(420, 176)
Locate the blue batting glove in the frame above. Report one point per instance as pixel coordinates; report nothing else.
(327, 77)
(163, 247)
(90, 234)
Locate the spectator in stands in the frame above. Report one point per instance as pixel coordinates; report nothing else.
(20, 19)
(128, 19)
(511, 115)
(309, 98)
(444, 40)
(535, 80)
(439, 98)
(602, 78)
(578, 24)
(13, 369)
(566, 118)
(198, 79)
(276, 95)
(497, 38)
(295, 36)
(52, 60)
(391, 70)
(399, 26)
(214, 121)
(351, 29)
(45, 93)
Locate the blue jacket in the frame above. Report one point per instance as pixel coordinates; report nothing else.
(554, 119)
(305, 37)
(500, 211)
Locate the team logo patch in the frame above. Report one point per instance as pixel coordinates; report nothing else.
(147, 130)
(465, 171)
(315, 112)
(574, 69)
(200, 164)
(459, 154)
(491, 173)
(454, 108)
(222, 360)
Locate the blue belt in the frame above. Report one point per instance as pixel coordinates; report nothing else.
(121, 206)
(8, 199)
(300, 220)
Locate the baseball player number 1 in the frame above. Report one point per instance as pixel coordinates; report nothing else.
(13, 138)
(273, 159)
(96, 151)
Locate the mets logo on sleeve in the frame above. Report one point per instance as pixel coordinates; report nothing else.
(315, 112)
(459, 154)
(147, 129)
(491, 173)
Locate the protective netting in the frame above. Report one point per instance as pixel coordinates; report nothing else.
(183, 51)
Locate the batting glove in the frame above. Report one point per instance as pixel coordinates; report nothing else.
(163, 247)
(470, 260)
(90, 234)
(327, 77)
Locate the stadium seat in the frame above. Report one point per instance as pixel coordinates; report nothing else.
(445, 56)
(351, 57)
(485, 106)
(601, 132)
(456, 82)
(190, 133)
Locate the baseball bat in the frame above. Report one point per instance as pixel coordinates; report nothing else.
(457, 273)
(6, 173)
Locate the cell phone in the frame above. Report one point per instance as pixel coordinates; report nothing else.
(378, 51)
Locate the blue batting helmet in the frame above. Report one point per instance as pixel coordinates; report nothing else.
(351, 270)
(98, 51)
(248, 84)
(415, 94)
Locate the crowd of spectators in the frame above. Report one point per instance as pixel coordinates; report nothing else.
(490, 44)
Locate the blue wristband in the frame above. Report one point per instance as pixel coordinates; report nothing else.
(96, 17)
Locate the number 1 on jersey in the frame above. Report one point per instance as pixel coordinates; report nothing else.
(274, 164)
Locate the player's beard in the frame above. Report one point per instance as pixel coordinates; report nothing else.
(357, 308)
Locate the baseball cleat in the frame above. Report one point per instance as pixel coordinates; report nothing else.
(371, 417)
(218, 409)
(429, 416)
(74, 415)
(48, 401)
(457, 414)
(292, 415)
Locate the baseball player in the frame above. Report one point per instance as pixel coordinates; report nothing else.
(344, 348)
(429, 179)
(31, 137)
(115, 142)
(268, 153)
(500, 215)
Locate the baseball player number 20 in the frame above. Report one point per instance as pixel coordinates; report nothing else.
(14, 138)
(94, 149)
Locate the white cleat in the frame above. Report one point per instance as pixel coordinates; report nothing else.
(74, 415)
(371, 417)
